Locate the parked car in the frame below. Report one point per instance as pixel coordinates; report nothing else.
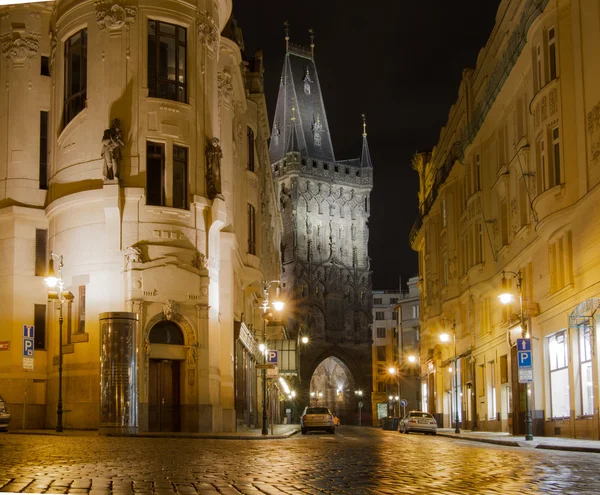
(317, 418)
(419, 421)
(4, 415)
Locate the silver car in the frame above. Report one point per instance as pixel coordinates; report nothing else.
(4, 415)
(419, 421)
(317, 418)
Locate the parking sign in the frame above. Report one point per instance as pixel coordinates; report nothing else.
(28, 346)
(272, 357)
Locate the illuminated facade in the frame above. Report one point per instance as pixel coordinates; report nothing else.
(168, 212)
(512, 185)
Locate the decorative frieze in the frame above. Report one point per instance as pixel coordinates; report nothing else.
(113, 16)
(208, 32)
(18, 46)
(224, 86)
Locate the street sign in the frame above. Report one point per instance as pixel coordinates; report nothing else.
(524, 359)
(272, 357)
(524, 344)
(28, 346)
(5, 345)
(403, 402)
(273, 372)
(525, 375)
(267, 366)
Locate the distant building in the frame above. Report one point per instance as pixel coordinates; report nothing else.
(325, 207)
(508, 201)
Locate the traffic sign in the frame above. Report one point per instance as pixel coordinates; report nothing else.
(523, 344)
(5, 345)
(524, 359)
(403, 402)
(28, 346)
(272, 357)
(526, 375)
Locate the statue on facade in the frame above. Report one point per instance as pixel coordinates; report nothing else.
(214, 154)
(112, 143)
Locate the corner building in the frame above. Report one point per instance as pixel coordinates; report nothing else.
(325, 206)
(513, 186)
(182, 234)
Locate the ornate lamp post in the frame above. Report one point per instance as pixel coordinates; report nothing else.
(395, 371)
(359, 394)
(54, 281)
(446, 338)
(506, 298)
(266, 305)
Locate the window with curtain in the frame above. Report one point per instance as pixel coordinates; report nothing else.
(75, 75)
(167, 52)
(559, 375)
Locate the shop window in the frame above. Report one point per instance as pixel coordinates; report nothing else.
(559, 375)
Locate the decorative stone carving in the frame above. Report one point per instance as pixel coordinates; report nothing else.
(208, 32)
(593, 125)
(133, 254)
(112, 143)
(170, 308)
(17, 46)
(307, 82)
(276, 133)
(224, 86)
(317, 128)
(53, 44)
(213, 169)
(199, 261)
(114, 16)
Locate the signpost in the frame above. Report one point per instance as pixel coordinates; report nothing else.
(403, 403)
(524, 361)
(28, 347)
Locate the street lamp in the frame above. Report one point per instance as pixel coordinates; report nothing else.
(506, 298)
(359, 394)
(266, 305)
(395, 371)
(446, 338)
(54, 281)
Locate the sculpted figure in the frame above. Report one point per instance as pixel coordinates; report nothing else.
(112, 142)
(213, 169)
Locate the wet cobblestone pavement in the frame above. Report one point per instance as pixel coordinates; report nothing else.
(354, 461)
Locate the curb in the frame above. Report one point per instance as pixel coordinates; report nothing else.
(507, 443)
(200, 436)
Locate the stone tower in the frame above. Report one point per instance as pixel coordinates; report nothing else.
(325, 208)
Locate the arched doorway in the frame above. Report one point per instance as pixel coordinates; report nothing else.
(164, 381)
(332, 385)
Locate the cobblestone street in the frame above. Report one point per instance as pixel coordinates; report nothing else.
(354, 461)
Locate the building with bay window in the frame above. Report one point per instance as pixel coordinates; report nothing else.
(507, 197)
(136, 150)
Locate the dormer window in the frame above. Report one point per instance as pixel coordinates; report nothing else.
(326, 166)
(337, 169)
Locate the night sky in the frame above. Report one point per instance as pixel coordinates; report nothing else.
(398, 62)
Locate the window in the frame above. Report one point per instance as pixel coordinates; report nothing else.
(415, 311)
(541, 165)
(378, 300)
(43, 150)
(554, 172)
(552, 54)
(585, 370)
(39, 323)
(504, 221)
(167, 48)
(445, 272)
(561, 261)
(41, 242)
(477, 172)
(381, 333)
(155, 174)
(380, 353)
(379, 315)
(395, 315)
(251, 230)
(393, 300)
(479, 250)
(538, 67)
(504, 369)
(492, 404)
(559, 375)
(481, 379)
(250, 135)
(180, 167)
(75, 75)
(81, 310)
(523, 202)
(45, 65)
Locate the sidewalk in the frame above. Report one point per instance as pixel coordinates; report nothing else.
(551, 443)
(279, 432)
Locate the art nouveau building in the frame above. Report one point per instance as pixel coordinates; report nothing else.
(183, 235)
(513, 185)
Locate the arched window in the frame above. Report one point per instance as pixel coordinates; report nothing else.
(166, 332)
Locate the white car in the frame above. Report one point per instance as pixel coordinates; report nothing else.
(418, 421)
(317, 418)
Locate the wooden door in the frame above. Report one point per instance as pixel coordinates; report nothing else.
(163, 403)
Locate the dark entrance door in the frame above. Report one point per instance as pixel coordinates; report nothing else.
(163, 407)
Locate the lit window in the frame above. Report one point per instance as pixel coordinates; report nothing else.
(559, 375)
(585, 370)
